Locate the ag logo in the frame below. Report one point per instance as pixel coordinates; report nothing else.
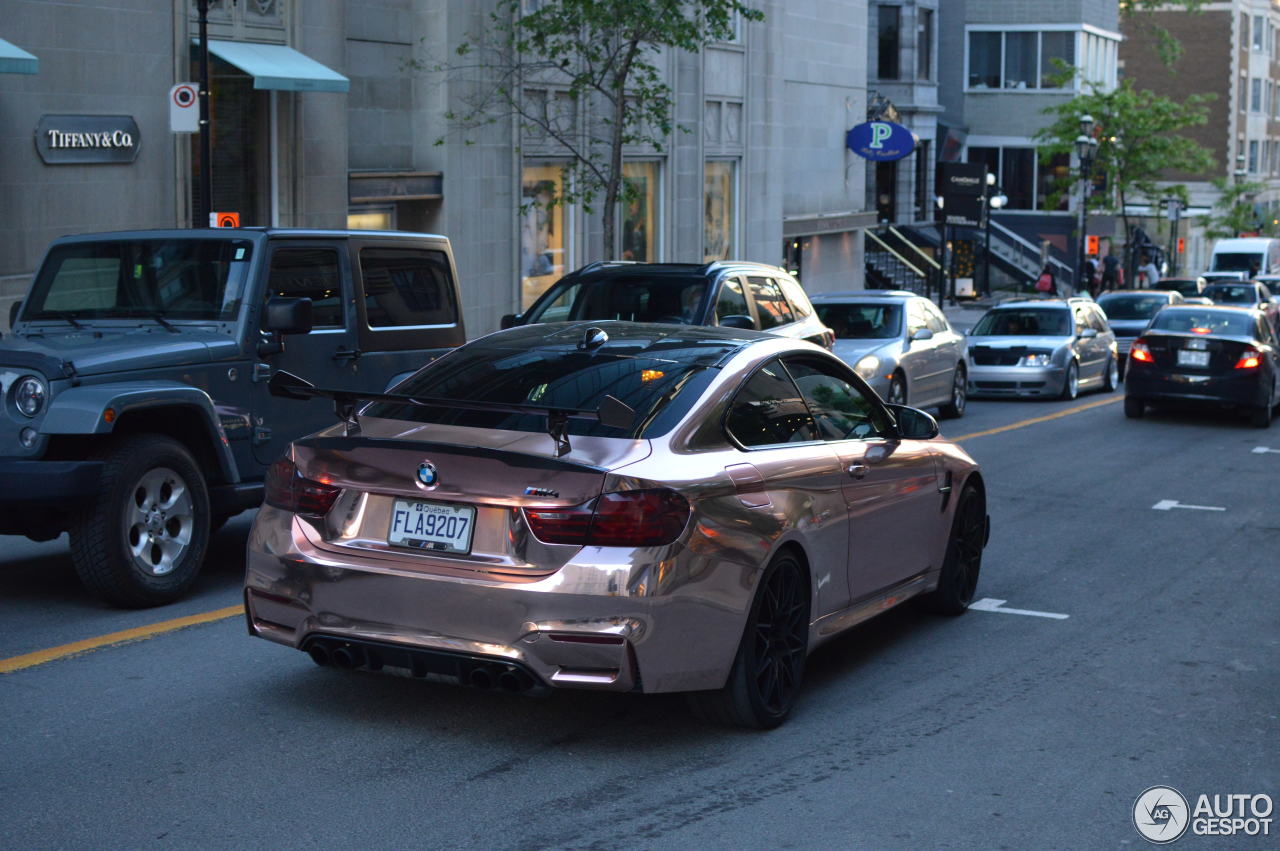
(1161, 815)
(427, 473)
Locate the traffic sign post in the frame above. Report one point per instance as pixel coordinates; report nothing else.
(224, 220)
(184, 108)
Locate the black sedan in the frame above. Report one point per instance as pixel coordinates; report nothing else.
(1218, 355)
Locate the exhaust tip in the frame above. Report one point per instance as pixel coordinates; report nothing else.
(346, 657)
(513, 681)
(319, 654)
(481, 678)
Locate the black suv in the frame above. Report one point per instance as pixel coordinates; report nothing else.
(729, 293)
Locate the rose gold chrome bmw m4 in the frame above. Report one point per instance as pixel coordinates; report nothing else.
(612, 506)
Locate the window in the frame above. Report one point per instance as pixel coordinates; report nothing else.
(1026, 181)
(933, 317)
(545, 246)
(1259, 32)
(915, 317)
(405, 287)
(309, 273)
(796, 298)
(1255, 95)
(1024, 59)
(889, 20)
(840, 409)
(1049, 177)
(924, 44)
(924, 182)
(771, 305)
(1018, 177)
(720, 230)
(640, 215)
(768, 411)
(731, 301)
(372, 218)
(1253, 155)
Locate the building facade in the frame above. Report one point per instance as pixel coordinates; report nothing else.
(328, 114)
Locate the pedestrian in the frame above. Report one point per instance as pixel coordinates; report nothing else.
(1110, 272)
(1045, 283)
(1090, 275)
(1148, 274)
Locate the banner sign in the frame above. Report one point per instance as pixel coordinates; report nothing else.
(78, 139)
(881, 141)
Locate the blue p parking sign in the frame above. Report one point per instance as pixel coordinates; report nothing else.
(881, 141)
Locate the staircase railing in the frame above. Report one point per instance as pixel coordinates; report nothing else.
(1025, 255)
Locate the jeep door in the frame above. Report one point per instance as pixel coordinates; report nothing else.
(327, 356)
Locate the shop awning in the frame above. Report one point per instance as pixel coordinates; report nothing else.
(15, 60)
(274, 66)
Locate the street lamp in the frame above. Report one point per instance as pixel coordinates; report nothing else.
(1086, 149)
(993, 199)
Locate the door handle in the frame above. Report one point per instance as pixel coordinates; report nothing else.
(858, 470)
(347, 354)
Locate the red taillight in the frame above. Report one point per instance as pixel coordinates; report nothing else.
(1249, 359)
(1139, 352)
(648, 518)
(287, 488)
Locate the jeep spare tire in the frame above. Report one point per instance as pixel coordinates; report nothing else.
(142, 540)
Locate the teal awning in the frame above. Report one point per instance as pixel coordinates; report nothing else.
(15, 60)
(274, 66)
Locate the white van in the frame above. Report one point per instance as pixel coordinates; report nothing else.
(1250, 256)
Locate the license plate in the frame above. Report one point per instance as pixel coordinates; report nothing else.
(1189, 358)
(434, 526)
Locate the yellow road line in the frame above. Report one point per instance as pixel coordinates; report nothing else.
(40, 657)
(1110, 400)
(75, 648)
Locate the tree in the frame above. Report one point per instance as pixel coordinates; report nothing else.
(1233, 211)
(1139, 14)
(582, 75)
(1138, 143)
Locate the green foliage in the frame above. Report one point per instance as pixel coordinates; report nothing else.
(1233, 212)
(1138, 141)
(581, 80)
(1137, 15)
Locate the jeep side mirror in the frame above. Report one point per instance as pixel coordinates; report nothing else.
(288, 315)
(510, 320)
(913, 423)
(14, 310)
(737, 320)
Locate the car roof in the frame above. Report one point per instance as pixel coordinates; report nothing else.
(862, 294)
(1040, 302)
(608, 268)
(251, 232)
(709, 345)
(1200, 308)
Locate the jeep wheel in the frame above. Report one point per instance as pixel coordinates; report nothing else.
(141, 542)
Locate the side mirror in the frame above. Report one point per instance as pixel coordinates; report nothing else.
(737, 320)
(921, 334)
(511, 320)
(288, 316)
(913, 423)
(14, 310)
(1088, 333)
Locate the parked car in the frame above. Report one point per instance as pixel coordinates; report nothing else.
(1129, 311)
(137, 416)
(1184, 286)
(613, 506)
(729, 293)
(1217, 355)
(1042, 347)
(901, 344)
(1215, 277)
(1245, 294)
(1196, 299)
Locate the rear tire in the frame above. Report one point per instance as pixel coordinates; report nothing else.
(1261, 417)
(142, 540)
(768, 667)
(958, 579)
(959, 394)
(1134, 407)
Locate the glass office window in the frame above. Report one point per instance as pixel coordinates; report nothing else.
(640, 214)
(545, 245)
(889, 27)
(720, 210)
(984, 60)
(924, 44)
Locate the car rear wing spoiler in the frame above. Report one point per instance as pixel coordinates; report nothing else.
(612, 412)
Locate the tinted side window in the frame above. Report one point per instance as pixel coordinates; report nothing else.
(768, 410)
(309, 273)
(404, 287)
(1097, 320)
(770, 303)
(1082, 319)
(796, 296)
(731, 300)
(842, 411)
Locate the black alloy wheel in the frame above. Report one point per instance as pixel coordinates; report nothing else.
(958, 579)
(767, 670)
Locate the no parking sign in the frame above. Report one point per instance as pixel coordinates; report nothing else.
(184, 109)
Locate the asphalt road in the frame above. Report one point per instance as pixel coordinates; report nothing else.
(991, 730)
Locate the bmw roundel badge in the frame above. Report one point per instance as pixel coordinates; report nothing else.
(427, 473)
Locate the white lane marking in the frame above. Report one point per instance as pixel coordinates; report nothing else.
(1263, 450)
(987, 604)
(1168, 504)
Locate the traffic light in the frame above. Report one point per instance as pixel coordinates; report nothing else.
(1182, 245)
(1091, 245)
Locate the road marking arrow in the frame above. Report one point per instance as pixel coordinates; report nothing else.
(987, 604)
(1263, 450)
(1168, 504)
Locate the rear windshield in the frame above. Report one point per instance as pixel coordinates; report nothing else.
(1131, 306)
(1236, 262)
(1232, 293)
(1226, 322)
(862, 321)
(1184, 286)
(659, 390)
(1034, 321)
(633, 298)
(177, 278)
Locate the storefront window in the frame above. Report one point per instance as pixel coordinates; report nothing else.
(239, 121)
(640, 214)
(720, 231)
(372, 218)
(544, 241)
